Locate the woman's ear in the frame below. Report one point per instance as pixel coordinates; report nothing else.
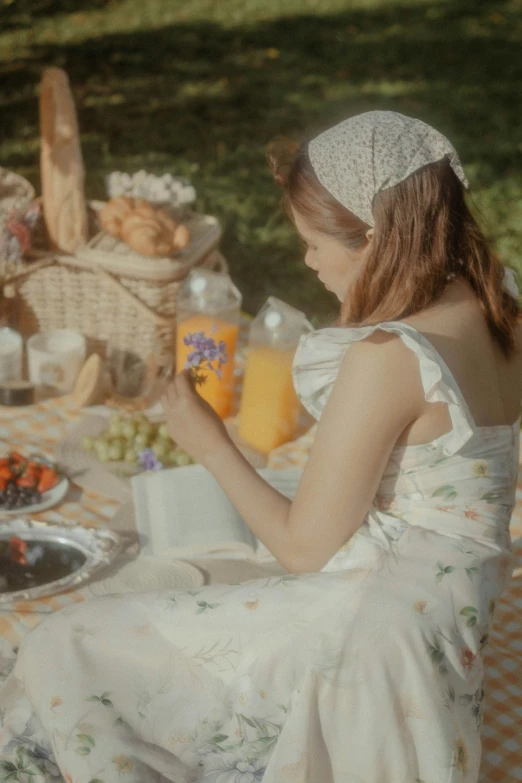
(369, 235)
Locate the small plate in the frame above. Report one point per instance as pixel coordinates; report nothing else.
(129, 574)
(92, 548)
(49, 499)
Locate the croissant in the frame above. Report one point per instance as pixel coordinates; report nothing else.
(146, 235)
(114, 213)
(181, 237)
(144, 208)
(148, 230)
(168, 223)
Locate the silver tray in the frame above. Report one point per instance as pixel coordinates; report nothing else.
(98, 546)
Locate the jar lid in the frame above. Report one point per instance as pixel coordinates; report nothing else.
(14, 393)
(273, 319)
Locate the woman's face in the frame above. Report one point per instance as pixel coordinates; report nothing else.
(336, 266)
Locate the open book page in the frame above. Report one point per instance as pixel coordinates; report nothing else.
(183, 512)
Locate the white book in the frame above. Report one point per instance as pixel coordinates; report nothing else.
(183, 512)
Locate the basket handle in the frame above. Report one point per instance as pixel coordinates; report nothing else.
(15, 279)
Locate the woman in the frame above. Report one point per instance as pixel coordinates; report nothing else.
(364, 663)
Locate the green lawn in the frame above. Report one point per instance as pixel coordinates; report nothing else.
(199, 87)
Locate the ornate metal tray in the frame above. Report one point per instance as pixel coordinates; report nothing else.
(58, 558)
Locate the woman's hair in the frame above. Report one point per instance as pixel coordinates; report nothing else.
(423, 232)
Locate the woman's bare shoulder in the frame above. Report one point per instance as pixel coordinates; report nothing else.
(491, 383)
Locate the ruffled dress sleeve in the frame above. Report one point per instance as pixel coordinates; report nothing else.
(320, 353)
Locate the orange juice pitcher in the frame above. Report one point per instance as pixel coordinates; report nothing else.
(209, 303)
(270, 408)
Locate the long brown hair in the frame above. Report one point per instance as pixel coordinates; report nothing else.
(424, 231)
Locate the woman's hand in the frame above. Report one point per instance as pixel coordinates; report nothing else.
(192, 423)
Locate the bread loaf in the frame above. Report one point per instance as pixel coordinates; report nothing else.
(61, 164)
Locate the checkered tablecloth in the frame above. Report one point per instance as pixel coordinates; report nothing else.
(42, 426)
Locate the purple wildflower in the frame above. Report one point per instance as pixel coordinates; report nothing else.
(148, 460)
(204, 352)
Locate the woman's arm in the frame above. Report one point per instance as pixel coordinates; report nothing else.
(377, 393)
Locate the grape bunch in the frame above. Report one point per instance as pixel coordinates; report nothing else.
(128, 436)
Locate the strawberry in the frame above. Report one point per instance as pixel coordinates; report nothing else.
(16, 457)
(49, 478)
(27, 480)
(34, 472)
(6, 473)
(3, 484)
(4, 461)
(18, 549)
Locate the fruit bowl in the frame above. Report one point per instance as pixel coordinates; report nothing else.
(124, 445)
(29, 484)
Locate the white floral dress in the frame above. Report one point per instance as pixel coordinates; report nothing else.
(369, 671)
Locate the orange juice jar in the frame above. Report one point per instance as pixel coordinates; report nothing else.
(209, 302)
(270, 407)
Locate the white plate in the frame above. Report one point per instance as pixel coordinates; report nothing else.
(49, 499)
(137, 574)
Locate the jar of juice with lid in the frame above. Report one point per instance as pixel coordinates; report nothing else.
(270, 407)
(209, 302)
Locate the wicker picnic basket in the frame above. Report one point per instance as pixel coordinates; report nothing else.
(95, 283)
(106, 291)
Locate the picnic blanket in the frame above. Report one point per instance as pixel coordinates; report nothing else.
(42, 426)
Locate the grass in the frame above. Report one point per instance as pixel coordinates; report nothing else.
(200, 87)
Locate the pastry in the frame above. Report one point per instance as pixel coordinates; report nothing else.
(114, 212)
(148, 230)
(181, 237)
(146, 235)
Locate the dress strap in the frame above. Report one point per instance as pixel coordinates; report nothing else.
(320, 353)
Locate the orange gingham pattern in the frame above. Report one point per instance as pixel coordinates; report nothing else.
(41, 427)
(502, 732)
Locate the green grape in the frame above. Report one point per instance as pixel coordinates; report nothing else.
(88, 443)
(131, 456)
(103, 453)
(116, 418)
(172, 457)
(140, 441)
(116, 452)
(184, 458)
(163, 432)
(146, 428)
(160, 449)
(128, 429)
(115, 429)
